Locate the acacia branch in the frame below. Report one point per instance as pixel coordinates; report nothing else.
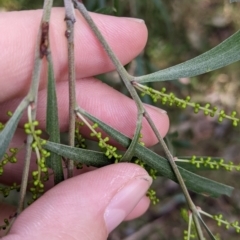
(129, 82)
(40, 51)
(70, 20)
(126, 78)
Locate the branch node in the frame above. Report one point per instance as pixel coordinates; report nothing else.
(67, 33)
(70, 18)
(44, 43)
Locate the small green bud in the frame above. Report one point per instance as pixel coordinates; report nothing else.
(34, 145)
(233, 113)
(43, 142)
(35, 123)
(222, 113)
(5, 161)
(106, 139)
(99, 135)
(36, 182)
(26, 125)
(27, 131)
(34, 196)
(44, 169)
(34, 173)
(9, 113)
(235, 123)
(38, 132)
(212, 114)
(13, 150)
(163, 90)
(13, 159)
(206, 112)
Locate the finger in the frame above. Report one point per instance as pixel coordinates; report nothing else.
(138, 210)
(19, 31)
(88, 206)
(103, 102)
(8, 211)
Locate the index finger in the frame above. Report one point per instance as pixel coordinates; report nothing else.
(19, 30)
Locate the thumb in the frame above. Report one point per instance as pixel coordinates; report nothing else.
(88, 206)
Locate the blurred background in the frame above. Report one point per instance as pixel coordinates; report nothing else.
(179, 31)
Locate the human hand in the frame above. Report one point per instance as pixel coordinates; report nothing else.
(90, 205)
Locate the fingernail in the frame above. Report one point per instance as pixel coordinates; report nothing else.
(125, 200)
(156, 108)
(135, 19)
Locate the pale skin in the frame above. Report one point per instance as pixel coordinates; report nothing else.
(92, 204)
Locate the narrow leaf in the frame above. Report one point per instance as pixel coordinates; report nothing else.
(206, 228)
(106, 10)
(222, 55)
(54, 161)
(193, 182)
(84, 156)
(7, 133)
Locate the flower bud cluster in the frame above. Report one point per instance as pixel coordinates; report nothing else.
(8, 158)
(110, 151)
(40, 175)
(212, 163)
(172, 100)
